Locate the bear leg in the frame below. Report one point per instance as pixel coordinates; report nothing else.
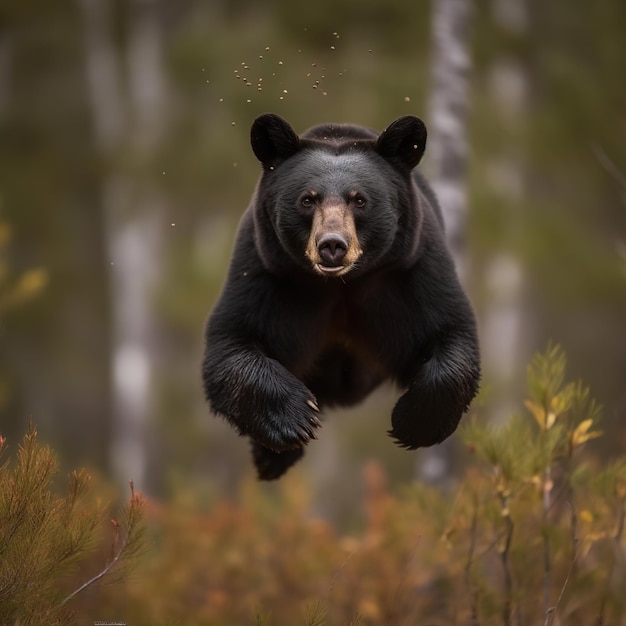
(432, 406)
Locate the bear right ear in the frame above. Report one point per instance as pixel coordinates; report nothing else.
(273, 140)
(403, 142)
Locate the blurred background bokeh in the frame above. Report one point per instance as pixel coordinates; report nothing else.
(125, 167)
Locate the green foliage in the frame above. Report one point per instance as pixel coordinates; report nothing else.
(45, 538)
(541, 500)
(534, 535)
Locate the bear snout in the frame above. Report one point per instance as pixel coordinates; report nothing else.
(332, 249)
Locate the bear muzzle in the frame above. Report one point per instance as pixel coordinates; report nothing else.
(333, 246)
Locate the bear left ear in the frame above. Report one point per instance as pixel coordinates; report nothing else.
(273, 140)
(403, 141)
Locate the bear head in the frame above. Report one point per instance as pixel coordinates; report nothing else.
(339, 200)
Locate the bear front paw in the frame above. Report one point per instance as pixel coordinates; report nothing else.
(284, 422)
(422, 418)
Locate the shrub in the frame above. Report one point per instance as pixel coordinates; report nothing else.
(534, 535)
(46, 538)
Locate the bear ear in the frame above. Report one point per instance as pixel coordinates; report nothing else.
(273, 140)
(403, 142)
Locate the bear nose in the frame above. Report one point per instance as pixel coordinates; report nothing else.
(332, 248)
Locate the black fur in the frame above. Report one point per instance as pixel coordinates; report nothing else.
(284, 342)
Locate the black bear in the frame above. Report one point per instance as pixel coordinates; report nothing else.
(340, 279)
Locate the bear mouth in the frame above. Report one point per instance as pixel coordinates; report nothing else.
(331, 270)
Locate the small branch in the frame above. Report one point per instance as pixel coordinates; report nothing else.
(547, 563)
(551, 612)
(100, 575)
(131, 536)
(617, 540)
(473, 594)
(504, 558)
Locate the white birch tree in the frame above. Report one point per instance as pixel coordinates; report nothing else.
(447, 128)
(447, 160)
(127, 100)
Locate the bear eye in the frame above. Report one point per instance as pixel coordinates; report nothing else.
(307, 201)
(359, 201)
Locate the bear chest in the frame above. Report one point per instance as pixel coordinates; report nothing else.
(348, 327)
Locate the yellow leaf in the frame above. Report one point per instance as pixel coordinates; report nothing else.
(583, 427)
(559, 403)
(550, 419)
(586, 516)
(538, 413)
(581, 433)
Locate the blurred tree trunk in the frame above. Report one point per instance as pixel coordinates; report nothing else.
(447, 150)
(505, 321)
(447, 128)
(129, 120)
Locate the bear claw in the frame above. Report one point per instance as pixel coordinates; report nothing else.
(313, 405)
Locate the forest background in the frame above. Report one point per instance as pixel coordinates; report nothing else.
(125, 167)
